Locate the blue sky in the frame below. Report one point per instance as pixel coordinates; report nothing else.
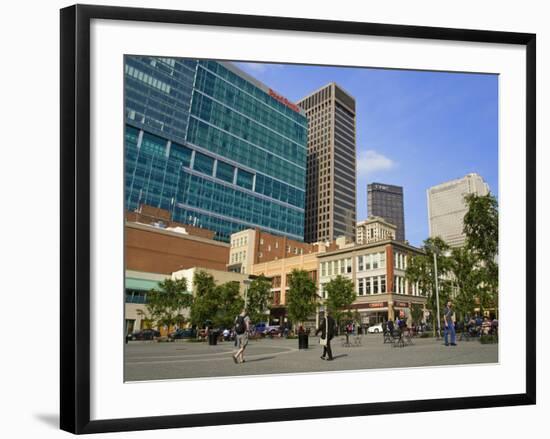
(414, 129)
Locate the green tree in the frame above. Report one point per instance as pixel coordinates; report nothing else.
(340, 296)
(217, 305)
(417, 313)
(259, 298)
(229, 304)
(421, 269)
(204, 306)
(466, 279)
(165, 305)
(301, 297)
(481, 229)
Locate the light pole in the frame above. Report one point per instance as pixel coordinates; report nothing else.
(434, 249)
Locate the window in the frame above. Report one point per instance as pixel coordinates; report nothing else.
(360, 263)
(245, 179)
(203, 163)
(361, 286)
(368, 282)
(329, 273)
(375, 285)
(225, 172)
(368, 262)
(323, 268)
(382, 284)
(181, 153)
(348, 265)
(382, 260)
(375, 259)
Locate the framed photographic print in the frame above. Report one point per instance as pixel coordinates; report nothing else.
(330, 218)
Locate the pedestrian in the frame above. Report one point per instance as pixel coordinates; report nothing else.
(449, 326)
(242, 323)
(327, 333)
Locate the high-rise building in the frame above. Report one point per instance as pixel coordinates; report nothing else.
(447, 207)
(214, 147)
(374, 229)
(331, 164)
(386, 201)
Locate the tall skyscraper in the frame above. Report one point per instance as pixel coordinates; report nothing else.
(386, 201)
(214, 147)
(447, 207)
(331, 164)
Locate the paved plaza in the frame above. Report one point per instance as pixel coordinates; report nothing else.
(182, 359)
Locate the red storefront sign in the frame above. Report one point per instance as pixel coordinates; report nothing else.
(377, 305)
(284, 101)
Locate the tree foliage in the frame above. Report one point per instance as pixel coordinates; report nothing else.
(466, 279)
(301, 297)
(214, 305)
(340, 296)
(481, 229)
(166, 304)
(417, 314)
(421, 269)
(259, 298)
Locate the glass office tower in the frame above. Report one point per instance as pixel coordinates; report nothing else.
(214, 146)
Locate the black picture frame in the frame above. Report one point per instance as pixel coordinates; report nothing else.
(75, 217)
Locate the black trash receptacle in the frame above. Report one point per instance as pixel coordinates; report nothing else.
(303, 341)
(212, 338)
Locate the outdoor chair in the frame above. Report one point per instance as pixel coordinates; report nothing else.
(397, 338)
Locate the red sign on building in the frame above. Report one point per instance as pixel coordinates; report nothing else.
(284, 101)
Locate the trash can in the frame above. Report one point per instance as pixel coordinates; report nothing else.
(212, 338)
(303, 340)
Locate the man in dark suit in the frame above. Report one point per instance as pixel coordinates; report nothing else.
(327, 329)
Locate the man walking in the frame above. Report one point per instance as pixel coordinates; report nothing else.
(242, 322)
(327, 333)
(449, 326)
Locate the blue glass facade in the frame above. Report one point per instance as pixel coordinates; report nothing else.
(213, 147)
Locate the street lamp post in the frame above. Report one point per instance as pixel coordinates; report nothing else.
(437, 292)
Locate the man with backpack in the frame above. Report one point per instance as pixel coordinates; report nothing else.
(242, 322)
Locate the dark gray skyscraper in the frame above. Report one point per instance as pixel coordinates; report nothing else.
(386, 201)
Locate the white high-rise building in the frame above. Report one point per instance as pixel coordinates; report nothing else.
(374, 229)
(447, 207)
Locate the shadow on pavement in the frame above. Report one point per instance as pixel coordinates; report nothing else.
(258, 359)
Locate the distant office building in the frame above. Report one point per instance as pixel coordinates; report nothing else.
(447, 207)
(374, 229)
(331, 164)
(386, 201)
(213, 146)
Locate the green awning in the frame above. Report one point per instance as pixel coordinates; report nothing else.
(133, 283)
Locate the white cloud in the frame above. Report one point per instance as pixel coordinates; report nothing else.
(255, 67)
(370, 161)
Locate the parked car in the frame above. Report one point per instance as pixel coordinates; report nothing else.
(375, 329)
(183, 333)
(273, 331)
(144, 334)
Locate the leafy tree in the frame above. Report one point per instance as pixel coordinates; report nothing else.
(301, 296)
(340, 296)
(466, 279)
(421, 269)
(204, 306)
(259, 298)
(229, 304)
(481, 229)
(165, 305)
(416, 313)
(216, 304)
